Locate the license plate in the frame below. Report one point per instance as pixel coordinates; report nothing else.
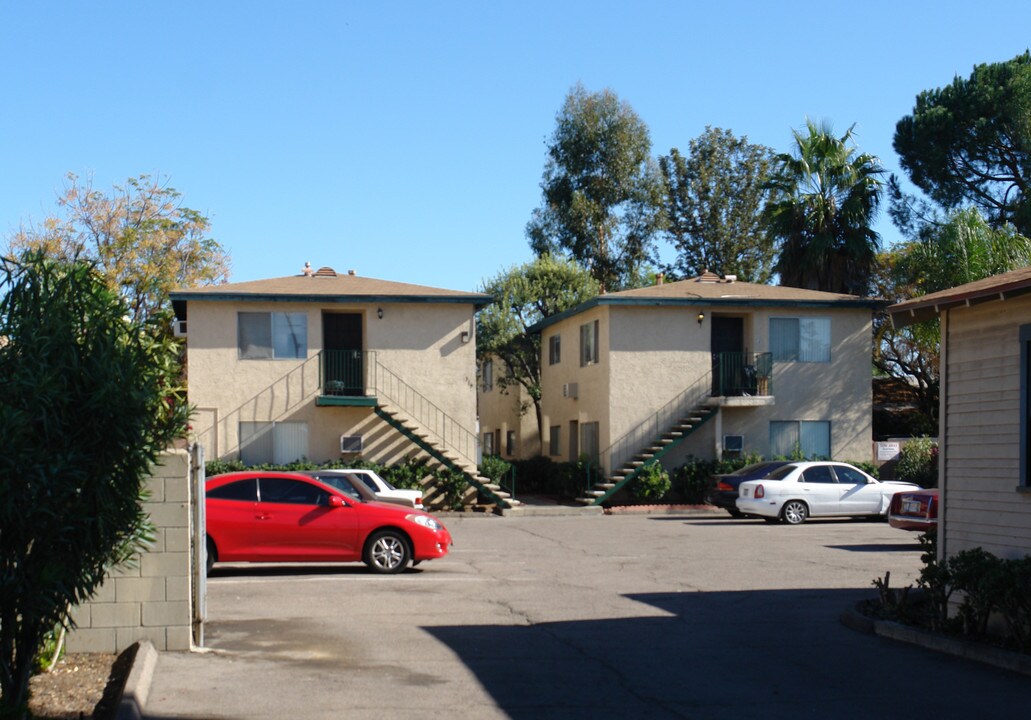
(911, 506)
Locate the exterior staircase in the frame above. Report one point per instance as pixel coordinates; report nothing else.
(359, 378)
(652, 439)
(443, 455)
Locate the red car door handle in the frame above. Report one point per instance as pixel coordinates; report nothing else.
(262, 517)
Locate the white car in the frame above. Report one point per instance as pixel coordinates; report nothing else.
(816, 489)
(384, 491)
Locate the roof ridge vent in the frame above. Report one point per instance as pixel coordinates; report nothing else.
(325, 271)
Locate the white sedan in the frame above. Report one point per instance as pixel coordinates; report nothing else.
(816, 489)
(384, 491)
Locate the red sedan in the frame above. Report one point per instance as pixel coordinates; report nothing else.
(266, 516)
(914, 510)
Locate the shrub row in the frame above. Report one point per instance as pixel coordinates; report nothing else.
(688, 483)
(986, 585)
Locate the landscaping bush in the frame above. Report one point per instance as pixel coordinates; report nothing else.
(988, 585)
(651, 483)
(495, 468)
(543, 476)
(693, 480)
(918, 462)
(452, 485)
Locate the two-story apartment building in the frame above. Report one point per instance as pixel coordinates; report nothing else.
(703, 367)
(323, 366)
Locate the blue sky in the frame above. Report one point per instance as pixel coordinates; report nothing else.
(407, 140)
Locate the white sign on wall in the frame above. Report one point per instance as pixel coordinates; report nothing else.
(888, 451)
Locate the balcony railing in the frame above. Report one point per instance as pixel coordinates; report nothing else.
(742, 374)
(343, 372)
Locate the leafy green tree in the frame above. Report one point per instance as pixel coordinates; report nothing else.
(89, 400)
(714, 199)
(823, 199)
(601, 192)
(969, 143)
(139, 236)
(961, 248)
(523, 296)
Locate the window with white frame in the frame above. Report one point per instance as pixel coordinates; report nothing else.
(554, 349)
(589, 343)
(555, 440)
(802, 339)
(276, 443)
(810, 439)
(488, 443)
(272, 335)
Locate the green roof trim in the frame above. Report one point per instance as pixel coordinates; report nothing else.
(872, 303)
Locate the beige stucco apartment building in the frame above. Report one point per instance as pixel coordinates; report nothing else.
(985, 431)
(769, 370)
(508, 419)
(324, 366)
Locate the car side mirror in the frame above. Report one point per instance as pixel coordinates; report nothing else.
(336, 501)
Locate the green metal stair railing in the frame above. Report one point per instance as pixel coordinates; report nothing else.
(691, 402)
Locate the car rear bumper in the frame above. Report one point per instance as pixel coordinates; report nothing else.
(751, 506)
(916, 524)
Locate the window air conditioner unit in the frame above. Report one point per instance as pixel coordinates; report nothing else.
(350, 444)
(733, 443)
(179, 328)
(570, 390)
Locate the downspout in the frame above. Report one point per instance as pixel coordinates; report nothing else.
(943, 434)
(718, 440)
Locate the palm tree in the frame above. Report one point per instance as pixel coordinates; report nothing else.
(823, 198)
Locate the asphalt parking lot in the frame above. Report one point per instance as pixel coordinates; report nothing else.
(642, 616)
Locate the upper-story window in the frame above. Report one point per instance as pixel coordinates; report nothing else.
(589, 343)
(488, 375)
(554, 349)
(272, 335)
(800, 339)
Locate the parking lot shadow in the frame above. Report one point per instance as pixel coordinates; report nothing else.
(768, 654)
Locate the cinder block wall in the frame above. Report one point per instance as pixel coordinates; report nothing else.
(152, 601)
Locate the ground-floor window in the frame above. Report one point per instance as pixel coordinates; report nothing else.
(555, 440)
(488, 443)
(800, 438)
(276, 443)
(510, 443)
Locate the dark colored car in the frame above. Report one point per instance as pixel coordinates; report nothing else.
(724, 486)
(914, 510)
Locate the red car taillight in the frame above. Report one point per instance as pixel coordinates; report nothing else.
(759, 492)
(724, 487)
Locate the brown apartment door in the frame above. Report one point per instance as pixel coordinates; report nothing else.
(344, 368)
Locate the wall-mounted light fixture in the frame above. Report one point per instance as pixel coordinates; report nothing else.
(701, 316)
(379, 313)
(465, 336)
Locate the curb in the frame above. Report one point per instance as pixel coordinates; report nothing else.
(986, 654)
(137, 684)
